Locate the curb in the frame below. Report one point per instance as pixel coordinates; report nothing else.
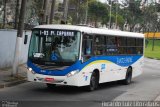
(9, 84)
(153, 58)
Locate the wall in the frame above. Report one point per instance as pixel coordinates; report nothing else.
(7, 47)
(152, 34)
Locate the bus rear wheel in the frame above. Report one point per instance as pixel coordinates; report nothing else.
(128, 78)
(50, 86)
(94, 81)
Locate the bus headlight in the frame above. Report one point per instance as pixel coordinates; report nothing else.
(30, 69)
(72, 73)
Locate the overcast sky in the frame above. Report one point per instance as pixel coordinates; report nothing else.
(158, 1)
(102, 0)
(105, 1)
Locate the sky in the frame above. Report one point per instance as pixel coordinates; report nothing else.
(104, 1)
(158, 1)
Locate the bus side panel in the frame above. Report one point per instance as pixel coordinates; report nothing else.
(108, 71)
(113, 72)
(137, 67)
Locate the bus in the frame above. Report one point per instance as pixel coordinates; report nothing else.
(83, 56)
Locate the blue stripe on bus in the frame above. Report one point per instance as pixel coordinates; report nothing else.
(123, 61)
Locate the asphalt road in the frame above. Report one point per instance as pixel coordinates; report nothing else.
(143, 88)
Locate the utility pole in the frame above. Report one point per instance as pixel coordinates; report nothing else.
(109, 2)
(44, 18)
(19, 39)
(110, 13)
(116, 12)
(16, 14)
(86, 15)
(52, 11)
(65, 13)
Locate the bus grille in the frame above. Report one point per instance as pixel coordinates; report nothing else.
(44, 67)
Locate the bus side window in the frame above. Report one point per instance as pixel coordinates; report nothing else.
(139, 46)
(87, 47)
(99, 45)
(112, 48)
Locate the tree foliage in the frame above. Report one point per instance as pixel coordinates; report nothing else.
(98, 12)
(133, 13)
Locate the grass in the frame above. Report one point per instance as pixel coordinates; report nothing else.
(156, 52)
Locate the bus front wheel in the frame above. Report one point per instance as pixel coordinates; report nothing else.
(94, 81)
(128, 78)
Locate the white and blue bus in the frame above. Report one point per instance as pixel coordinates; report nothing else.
(83, 56)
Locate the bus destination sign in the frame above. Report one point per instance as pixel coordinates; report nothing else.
(56, 32)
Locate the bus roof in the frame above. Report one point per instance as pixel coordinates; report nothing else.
(91, 30)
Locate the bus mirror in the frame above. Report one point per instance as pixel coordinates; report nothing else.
(25, 39)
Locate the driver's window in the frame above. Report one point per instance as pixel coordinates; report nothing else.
(87, 50)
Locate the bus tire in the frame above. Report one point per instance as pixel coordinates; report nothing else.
(94, 82)
(50, 86)
(128, 78)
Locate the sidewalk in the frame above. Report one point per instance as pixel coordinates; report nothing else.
(6, 80)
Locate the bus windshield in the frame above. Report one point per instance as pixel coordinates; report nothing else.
(54, 46)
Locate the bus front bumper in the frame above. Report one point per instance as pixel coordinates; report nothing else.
(61, 80)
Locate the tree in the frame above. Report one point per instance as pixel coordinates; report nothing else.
(16, 14)
(19, 38)
(4, 15)
(74, 11)
(44, 14)
(37, 7)
(78, 11)
(120, 21)
(65, 11)
(117, 17)
(97, 11)
(52, 11)
(132, 14)
(135, 14)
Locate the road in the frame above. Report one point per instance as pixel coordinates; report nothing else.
(143, 88)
